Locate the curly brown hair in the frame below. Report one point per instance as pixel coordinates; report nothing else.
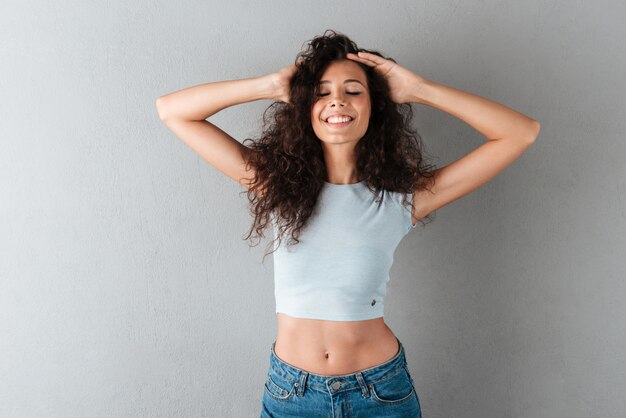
(288, 160)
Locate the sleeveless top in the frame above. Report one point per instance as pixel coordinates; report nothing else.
(340, 268)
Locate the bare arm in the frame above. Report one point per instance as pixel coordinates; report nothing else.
(204, 100)
(184, 113)
(508, 132)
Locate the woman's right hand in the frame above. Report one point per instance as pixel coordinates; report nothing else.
(280, 81)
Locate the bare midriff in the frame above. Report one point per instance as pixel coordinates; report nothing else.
(334, 347)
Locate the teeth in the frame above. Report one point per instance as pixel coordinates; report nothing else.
(338, 119)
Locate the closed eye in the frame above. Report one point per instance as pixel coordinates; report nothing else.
(353, 93)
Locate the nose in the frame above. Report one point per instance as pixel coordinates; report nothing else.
(336, 101)
(337, 98)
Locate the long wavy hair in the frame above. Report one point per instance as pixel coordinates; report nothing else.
(288, 161)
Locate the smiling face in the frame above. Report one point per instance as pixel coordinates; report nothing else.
(342, 108)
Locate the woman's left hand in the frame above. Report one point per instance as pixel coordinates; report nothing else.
(404, 85)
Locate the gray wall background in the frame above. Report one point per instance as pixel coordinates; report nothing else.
(126, 288)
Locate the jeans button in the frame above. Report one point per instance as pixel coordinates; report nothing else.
(336, 385)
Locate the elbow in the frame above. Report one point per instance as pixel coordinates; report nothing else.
(528, 134)
(535, 129)
(160, 107)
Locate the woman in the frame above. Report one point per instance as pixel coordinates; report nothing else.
(339, 167)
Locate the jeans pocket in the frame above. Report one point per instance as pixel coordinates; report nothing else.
(278, 388)
(409, 374)
(393, 390)
(412, 383)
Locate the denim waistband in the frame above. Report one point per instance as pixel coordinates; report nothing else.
(338, 383)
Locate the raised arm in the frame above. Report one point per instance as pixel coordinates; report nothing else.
(508, 132)
(184, 113)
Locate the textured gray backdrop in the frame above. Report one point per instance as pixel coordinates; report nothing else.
(126, 288)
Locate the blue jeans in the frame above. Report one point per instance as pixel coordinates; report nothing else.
(386, 390)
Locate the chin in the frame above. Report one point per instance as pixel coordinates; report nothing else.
(335, 138)
(338, 139)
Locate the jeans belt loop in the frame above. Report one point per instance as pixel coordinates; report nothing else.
(364, 389)
(300, 384)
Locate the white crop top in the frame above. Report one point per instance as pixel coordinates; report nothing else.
(340, 268)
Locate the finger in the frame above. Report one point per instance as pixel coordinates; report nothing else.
(360, 59)
(354, 57)
(372, 57)
(369, 61)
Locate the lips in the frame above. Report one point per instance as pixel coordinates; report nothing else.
(338, 120)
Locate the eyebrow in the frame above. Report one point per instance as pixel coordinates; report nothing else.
(350, 80)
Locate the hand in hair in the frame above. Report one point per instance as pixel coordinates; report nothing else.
(404, 85)
(280, 81)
